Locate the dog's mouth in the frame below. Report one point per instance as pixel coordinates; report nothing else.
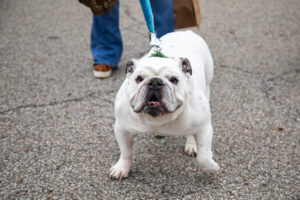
(153, 101)
(154, 105)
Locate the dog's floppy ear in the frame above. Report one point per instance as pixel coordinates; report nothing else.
(130, 67)
(186, 66)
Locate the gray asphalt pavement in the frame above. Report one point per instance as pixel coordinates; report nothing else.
(56, 134)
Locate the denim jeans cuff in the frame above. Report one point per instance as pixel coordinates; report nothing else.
(106, 63)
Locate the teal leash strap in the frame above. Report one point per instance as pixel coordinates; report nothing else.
(147, 11)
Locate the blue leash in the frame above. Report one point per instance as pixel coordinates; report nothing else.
(147, 11)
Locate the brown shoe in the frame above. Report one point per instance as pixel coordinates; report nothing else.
(102, 71)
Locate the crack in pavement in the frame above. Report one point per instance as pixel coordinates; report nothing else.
(234, 68)
(266, 87)
(54, 103)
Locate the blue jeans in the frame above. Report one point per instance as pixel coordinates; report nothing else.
(106, 41)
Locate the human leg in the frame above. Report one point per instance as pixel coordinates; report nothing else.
(106, 42)
(163, 16)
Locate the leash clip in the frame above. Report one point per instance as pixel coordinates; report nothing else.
(154, 43)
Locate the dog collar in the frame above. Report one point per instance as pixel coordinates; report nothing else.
(158, 54)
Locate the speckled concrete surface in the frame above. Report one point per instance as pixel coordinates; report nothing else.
(56, 135)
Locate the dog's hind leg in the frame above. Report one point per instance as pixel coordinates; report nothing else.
(190, 146)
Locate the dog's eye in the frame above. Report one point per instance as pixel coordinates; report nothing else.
(139, 79)
(174, 80)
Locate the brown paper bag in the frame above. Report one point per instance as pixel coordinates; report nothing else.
(99, 7)
(186, 13)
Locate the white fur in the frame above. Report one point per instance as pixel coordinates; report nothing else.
(192, 119)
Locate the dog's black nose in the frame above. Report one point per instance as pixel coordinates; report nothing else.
(155, 83)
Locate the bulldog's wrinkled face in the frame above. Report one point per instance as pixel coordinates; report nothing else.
(157, 86)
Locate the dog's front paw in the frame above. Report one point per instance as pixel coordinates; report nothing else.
(208, 165)
(120, 169)
(190, 149)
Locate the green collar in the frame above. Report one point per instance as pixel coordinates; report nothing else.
(158, 54)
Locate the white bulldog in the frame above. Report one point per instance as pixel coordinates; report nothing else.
(167, 93)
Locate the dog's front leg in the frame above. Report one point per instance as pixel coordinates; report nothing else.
(121, 168)
(204, 152)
